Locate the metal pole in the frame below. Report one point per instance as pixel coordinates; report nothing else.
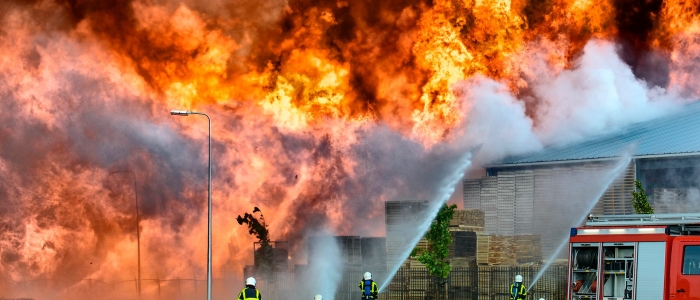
(209, 271)
(209, 268)
(138, 235)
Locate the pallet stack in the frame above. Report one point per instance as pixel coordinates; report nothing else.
(524, 202)
(505, 203)
(412, 261)
(489, 203)
(528, 248)
(468, 220)
(482, 249)
(472, 193)
(463, 245)
(501, 250)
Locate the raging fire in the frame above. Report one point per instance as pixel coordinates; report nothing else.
(302, 94)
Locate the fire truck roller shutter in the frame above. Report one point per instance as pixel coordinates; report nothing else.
(650, 270)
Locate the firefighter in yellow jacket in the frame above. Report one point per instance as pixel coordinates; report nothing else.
(249, 292)
(517, 289)
(368, 287)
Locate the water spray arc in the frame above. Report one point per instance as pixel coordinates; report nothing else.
(622, 164)
(444, 193)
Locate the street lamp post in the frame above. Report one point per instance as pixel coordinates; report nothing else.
(187, 113)
(138, 236)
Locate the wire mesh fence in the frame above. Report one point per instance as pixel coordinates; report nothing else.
(464, 283)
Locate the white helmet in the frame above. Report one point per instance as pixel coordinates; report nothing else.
(250, 281)
(541, 298)
(368, 276)
(318, 297)
(518, 278)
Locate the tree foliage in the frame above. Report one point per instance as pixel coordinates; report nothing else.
(439, 240)
(640, 200)
(258, 228)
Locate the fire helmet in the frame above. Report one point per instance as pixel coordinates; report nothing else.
(318, 297)
(541, 298)
(368, 276)
(250, 281)
(518, 278)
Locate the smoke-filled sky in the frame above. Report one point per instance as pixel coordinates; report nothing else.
(321, 111)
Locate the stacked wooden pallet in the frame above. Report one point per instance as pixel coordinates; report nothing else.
(412, 262)
(468, 217)
(528, 248)
(489, 203)
(524, 202)
(482, 249)
(472, 193)
(461, 262)
(501, 250)
(505, 203)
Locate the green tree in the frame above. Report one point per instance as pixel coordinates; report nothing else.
(439, 240)
(263, 259)
(640, 200)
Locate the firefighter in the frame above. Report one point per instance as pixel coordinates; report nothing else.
(517, 289)
(368, 287)
(249, 292)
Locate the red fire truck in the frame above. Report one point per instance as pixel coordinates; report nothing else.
(641, 257)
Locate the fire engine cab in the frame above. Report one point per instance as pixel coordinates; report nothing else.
(642, 257)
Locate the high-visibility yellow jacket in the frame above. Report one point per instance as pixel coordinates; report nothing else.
(373, 290)
(517, 292)
(249, 293)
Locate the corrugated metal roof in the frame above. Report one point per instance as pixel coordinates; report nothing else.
(672, 134)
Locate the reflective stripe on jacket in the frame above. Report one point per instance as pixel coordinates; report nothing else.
(517, 292)
(373, 290)
(249, 293)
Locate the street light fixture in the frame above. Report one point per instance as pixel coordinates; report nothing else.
(138, 236)
(187, 113)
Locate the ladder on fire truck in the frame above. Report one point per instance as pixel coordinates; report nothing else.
(677, 223)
